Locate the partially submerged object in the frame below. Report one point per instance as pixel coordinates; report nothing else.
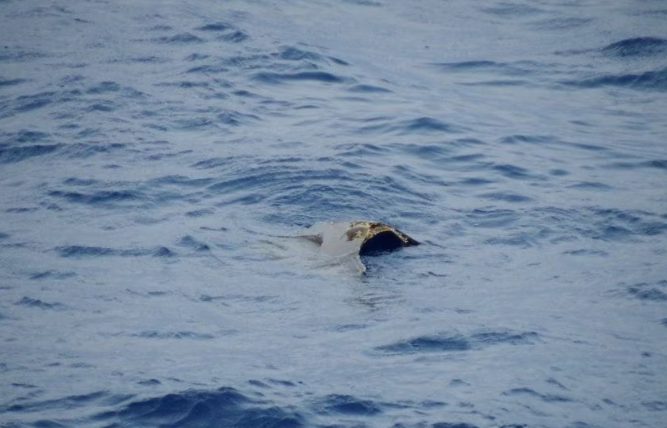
(358, 238)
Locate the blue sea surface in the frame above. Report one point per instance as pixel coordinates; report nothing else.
(158, 159)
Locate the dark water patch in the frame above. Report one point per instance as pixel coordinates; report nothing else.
(224, 407)
(71, 402)
(216, 27)
(200, 213)
(25, 103)
(104, 87)
(234, 118)
(453, 425)
(514, 198)
(185, 84)
(421, 125)
(12, 56)
(291, 53)
(513, 69)
(620, 225)
(655, 406)
(180, 180)
(190, 242)
(531, 139)
(19, 210)
(587, 252)
(512, 10)
(179, 335)
(74, 181)
(528, 392)
(497, 83)
(150, 59)
(504, 337)
(103, 106)
(443, 342)
(52, 274)
(11, 82)
(356, 150)
(513, 171)
(649, 80)
(81, 251)
(656, 292)
(180, 39)
(475, 181)
(208, 69)
(220, 163)
(10, 154)
(237, 36)
(368, 89)
(657, 164)
(346, 405)
(560, 24)
(638, 46)
(364, 2)
(36, 303)
(294, 54)
(456, 342)
(467, 65)
(425, 125)
(590, 185)
(98, 198)
(304, 76)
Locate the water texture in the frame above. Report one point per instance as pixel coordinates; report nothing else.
(157, 160)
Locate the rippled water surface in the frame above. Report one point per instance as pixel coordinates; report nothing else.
(157, 159)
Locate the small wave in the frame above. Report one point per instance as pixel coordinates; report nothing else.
(216, 27)
(638, 46)
(101, 197)
(52, 274)
(178, 335)
(656, 292)
(506, 197)
(179, 39)
(18, 154)
(36, 303)
(234, 37)
(560, 24)
(419, 125)
(658, 164)
(494, 68)
(346, 405)
(591, 185)
(27, 103)
(190, 242)
(304, 76)
(655, 80)
(81, 251)
(456, 342)
(512, 10)
(528, 392)
(11, 82)
(368, 89)
(228, 32)
(203, 408)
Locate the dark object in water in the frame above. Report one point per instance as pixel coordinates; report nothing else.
(358, 238)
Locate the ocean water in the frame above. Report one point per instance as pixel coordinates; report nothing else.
(157, 159)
